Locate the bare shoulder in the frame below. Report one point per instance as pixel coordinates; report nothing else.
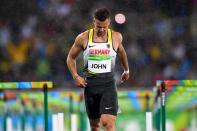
(82, 36)
(117, 39)
(117, 35)
(81, 39)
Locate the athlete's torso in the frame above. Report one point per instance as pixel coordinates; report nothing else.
(99, 57)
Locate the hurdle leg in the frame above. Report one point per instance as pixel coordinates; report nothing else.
(45, 107)
(163, 113)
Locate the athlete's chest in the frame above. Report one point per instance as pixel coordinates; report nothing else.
(100, 49)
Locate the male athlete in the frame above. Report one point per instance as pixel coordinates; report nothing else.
(100, 46)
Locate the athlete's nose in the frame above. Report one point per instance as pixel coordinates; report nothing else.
(102, 29)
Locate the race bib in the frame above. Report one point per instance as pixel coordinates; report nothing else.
(103, 66)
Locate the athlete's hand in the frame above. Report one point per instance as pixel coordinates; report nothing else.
(80, 81)
(124, 77)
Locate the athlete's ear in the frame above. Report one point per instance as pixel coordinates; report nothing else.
(94, 20)
(109, 21)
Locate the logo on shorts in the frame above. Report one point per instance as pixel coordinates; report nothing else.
(108, 108)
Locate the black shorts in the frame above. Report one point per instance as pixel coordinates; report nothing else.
(101, 97)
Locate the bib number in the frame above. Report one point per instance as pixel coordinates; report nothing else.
(103, 66)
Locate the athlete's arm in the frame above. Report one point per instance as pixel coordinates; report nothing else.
(71, 61)
(123, 59)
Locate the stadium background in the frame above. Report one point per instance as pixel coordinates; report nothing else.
(160, 38)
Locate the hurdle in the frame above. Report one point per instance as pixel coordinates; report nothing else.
(139, 101)
(164, 89)
(44, 85)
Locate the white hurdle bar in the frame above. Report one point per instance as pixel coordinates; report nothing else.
(149, 125)
(58, 122)
(73, 122)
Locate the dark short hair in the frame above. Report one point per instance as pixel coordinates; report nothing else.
(101, 14)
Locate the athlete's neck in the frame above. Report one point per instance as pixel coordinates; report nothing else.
(99, 37)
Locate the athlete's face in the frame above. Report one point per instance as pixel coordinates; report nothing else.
(101, 27)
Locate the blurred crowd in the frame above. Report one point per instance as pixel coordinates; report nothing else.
(160, 38)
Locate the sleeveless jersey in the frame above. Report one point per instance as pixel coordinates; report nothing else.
(99, 57)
